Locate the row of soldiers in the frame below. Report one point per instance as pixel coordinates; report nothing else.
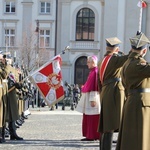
(12, 105)
(124, 83)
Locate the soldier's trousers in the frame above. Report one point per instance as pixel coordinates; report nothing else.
(106, 141)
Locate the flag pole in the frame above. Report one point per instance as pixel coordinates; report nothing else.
(53, 80)
(67, 48)
(142, 4)
(140, 19)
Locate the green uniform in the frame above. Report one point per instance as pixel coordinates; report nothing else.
(3, 95)
(135, 127)
(12, 106)
(112, 95)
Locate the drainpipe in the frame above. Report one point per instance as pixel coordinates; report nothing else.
(55, 51)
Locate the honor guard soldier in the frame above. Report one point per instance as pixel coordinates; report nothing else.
(111, 91)
(134, 132)
(3, 96)
(12, 107)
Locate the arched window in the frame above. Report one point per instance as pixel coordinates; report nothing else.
(81, 70)
(85, 23)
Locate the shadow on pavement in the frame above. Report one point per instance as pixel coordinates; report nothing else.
(55, 143)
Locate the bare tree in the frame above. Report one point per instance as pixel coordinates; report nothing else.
(27, 52)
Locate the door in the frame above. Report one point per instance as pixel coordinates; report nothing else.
(81, 70)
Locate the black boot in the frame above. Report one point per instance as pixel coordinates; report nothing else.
(106, 141)
(12, 130)
(3, 134)
(7, 133)
(24, 116)
(1, 139)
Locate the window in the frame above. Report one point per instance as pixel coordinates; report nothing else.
(45, 7)
(85, 23)
(10, 7)
(9, 37)
(44, 38)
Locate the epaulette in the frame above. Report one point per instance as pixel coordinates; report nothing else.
(114, 54)
(142, 62)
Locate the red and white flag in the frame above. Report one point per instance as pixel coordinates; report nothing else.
(48, 79)
(142, 4)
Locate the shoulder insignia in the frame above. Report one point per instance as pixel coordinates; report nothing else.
(143, 63)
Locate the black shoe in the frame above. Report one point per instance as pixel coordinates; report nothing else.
(7, 132)
(17, 126)
(24, 117)
(15, 138)
(115, 141)
(6, 135)
(18, 123)
(1, 140)
(85, 139)
(21, 121)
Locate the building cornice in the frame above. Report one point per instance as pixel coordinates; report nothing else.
(45, 21)
(9, 20)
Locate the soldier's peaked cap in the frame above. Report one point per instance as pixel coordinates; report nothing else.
(139, 42)
(112, 42)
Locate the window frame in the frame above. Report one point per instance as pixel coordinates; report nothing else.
(9, 37)
(44, 37)
(85, 18)
(45, 7)
(10, 7)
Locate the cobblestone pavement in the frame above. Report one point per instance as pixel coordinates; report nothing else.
(51, 130)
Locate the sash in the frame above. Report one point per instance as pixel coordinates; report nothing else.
(104, 66)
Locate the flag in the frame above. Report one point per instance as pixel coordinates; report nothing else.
(48, 79)
(142, 4)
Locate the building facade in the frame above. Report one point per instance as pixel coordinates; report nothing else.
(85, 24)
(27, 30)
(46, 27)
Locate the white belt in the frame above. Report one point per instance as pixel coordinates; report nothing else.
(5, 80)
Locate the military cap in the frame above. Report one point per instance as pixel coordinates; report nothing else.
(140, 41)
(112, 42)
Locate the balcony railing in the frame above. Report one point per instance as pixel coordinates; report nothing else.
(84, 45)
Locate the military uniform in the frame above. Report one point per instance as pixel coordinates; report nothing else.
(12, 105)
(134, 133)
(3, 100)
(111, 93)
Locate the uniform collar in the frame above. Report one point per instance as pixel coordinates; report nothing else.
(110, 53)
(134, 55)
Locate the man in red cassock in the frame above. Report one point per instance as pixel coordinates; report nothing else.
(89, 103)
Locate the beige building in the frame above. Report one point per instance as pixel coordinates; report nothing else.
(81, 24)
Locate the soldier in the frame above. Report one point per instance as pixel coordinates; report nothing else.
(134, 132)
(3, 95)
(111, 92)
(12, 108)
